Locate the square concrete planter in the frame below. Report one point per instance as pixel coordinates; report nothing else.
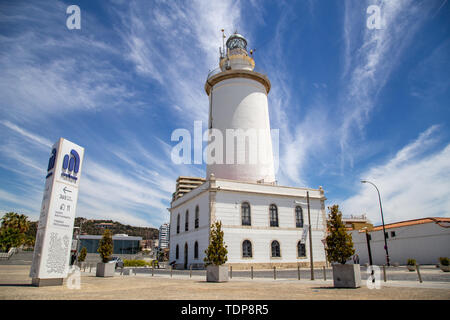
(216, 273)
(105, 269)
(346, 276)
(411, 267)
(444, 268)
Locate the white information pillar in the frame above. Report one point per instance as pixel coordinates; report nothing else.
(55, 228)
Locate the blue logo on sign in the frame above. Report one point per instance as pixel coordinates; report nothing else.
(51, 163)
(71, 163)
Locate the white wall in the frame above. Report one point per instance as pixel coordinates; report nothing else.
(241, 103)
(423, 242)
(228, 211)
(200, 234)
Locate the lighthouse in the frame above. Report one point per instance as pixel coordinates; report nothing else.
(239, 115)
(264, 224)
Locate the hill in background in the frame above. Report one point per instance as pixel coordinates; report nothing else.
(97, 227)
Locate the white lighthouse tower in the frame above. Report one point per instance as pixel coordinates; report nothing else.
(264, 224)
(239, 110)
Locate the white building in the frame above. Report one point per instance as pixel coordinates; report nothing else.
(264, 224)
(424, 240)
(163, 238)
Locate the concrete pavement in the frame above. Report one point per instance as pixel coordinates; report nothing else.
(15, 284)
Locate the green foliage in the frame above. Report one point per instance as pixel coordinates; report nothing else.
(136, 263)
(10, 238)
(105, 247)
(339, 242)
(444, 261)
(82, 255)
(216, 253)
(411, 262)
(13, 231)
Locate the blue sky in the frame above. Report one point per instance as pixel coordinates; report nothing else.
(350, 102)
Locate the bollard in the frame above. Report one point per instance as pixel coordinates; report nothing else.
(231, 272)
(418, 273)
(171, 271)
(298, 271)
(274, 273)
(90, 267)
(384, 272)
(121, 271)
(153, 270)
(251, 272)
(324, 274)
(84, 269)
(190, 271)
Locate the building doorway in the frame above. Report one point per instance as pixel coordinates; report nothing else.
(185, 255)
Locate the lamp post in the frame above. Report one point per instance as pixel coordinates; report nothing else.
(382, 220)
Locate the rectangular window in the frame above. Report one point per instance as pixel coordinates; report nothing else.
(392, 234)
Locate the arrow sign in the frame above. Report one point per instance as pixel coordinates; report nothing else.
(66, 190)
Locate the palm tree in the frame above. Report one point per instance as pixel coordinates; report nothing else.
(13, 229)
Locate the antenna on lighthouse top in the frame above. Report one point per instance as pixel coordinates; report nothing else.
(222, 50)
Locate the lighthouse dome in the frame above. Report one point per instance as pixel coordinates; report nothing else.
(236, 41)
(236, 56)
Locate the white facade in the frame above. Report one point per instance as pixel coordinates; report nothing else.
(163, 237)
(221, 200)
(424, 242)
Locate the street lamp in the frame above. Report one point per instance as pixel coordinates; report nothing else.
(382, 220)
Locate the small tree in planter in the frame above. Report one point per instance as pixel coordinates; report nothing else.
(105, 248)
(82, 255)
(339, 248)
(444, 264)
(411, 264)
(216, 255)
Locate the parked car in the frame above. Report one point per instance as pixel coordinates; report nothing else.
(118, 261)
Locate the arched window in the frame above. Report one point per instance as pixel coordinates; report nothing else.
(196, 216)
(178, 223)
(273, 211)
(196, 250)
(246, 216)
(246, 249)
(186, 223)
(298, 217)
(301, 249)
(177, 253)
(275, 249)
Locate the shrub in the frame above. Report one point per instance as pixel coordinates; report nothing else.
(82, 255)
(216, 253)
(105, 247)
(444, 261)
(411, 262)
(339, 242)
(135, 263)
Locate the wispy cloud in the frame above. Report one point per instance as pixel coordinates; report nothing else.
(369, 63)
(175, 44)
(414, 183)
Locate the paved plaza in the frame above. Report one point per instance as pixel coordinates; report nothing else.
(15, 284)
